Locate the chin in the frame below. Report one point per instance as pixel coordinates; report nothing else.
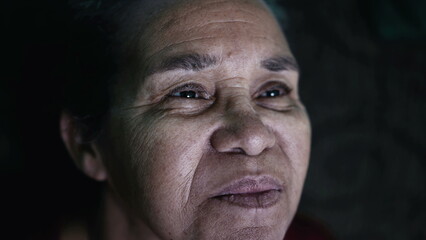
(220, 219)
(246, 233)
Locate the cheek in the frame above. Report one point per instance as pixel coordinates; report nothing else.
(155, 157)
(293, 131)
(164, 154)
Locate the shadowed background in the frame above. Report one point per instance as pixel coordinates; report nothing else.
(363, 82)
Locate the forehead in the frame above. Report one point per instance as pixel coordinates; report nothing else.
(209, 25)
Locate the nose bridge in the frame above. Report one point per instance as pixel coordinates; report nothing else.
(239, 113)
(239, 104)
(234, 93)
(242, 129)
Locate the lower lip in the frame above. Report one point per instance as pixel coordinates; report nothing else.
(263, 199)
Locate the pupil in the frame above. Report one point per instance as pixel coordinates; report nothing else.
(188, 94)
(273, 93)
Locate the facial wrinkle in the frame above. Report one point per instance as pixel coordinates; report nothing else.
(239, 82)
(176, 44)
(155, 90)
(201, 6)
(166, 25)
(220, 22)
(240, 105)
(187, 202)
(189, 176)
(137, 124)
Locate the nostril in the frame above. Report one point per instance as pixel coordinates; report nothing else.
(237, 150)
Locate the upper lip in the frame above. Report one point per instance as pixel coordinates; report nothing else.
(250, 185)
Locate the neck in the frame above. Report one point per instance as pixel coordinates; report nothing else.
(117, 223)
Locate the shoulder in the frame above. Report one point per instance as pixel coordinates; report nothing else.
(61, 231)
(74, 231)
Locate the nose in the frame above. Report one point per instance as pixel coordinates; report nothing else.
(242, 132)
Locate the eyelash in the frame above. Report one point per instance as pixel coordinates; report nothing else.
(190, 87)
(200, 92)
(283, 89)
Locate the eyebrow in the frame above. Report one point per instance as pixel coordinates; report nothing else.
(198, 62)
(281, 63)
(188, 62)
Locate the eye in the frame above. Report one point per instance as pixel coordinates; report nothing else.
(193, 91)
(274, 90)
(186, 94)
(271, 93)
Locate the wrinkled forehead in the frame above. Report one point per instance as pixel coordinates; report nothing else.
(180, 13)
(162, 11)
(165, 23)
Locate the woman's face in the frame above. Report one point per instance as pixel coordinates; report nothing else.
(207, 138)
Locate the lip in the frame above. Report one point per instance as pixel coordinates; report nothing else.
(251, 192)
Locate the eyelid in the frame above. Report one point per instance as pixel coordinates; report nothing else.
(190, 87)
(274, 85)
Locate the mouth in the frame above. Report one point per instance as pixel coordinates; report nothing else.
(251, 193)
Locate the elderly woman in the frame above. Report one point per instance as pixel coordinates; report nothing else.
(195, 124)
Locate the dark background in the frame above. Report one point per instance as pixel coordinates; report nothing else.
(363, 82)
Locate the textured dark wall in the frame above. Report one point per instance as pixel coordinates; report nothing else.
(365, 88)
(363, 81)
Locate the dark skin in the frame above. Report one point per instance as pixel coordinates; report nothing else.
(207, 137)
